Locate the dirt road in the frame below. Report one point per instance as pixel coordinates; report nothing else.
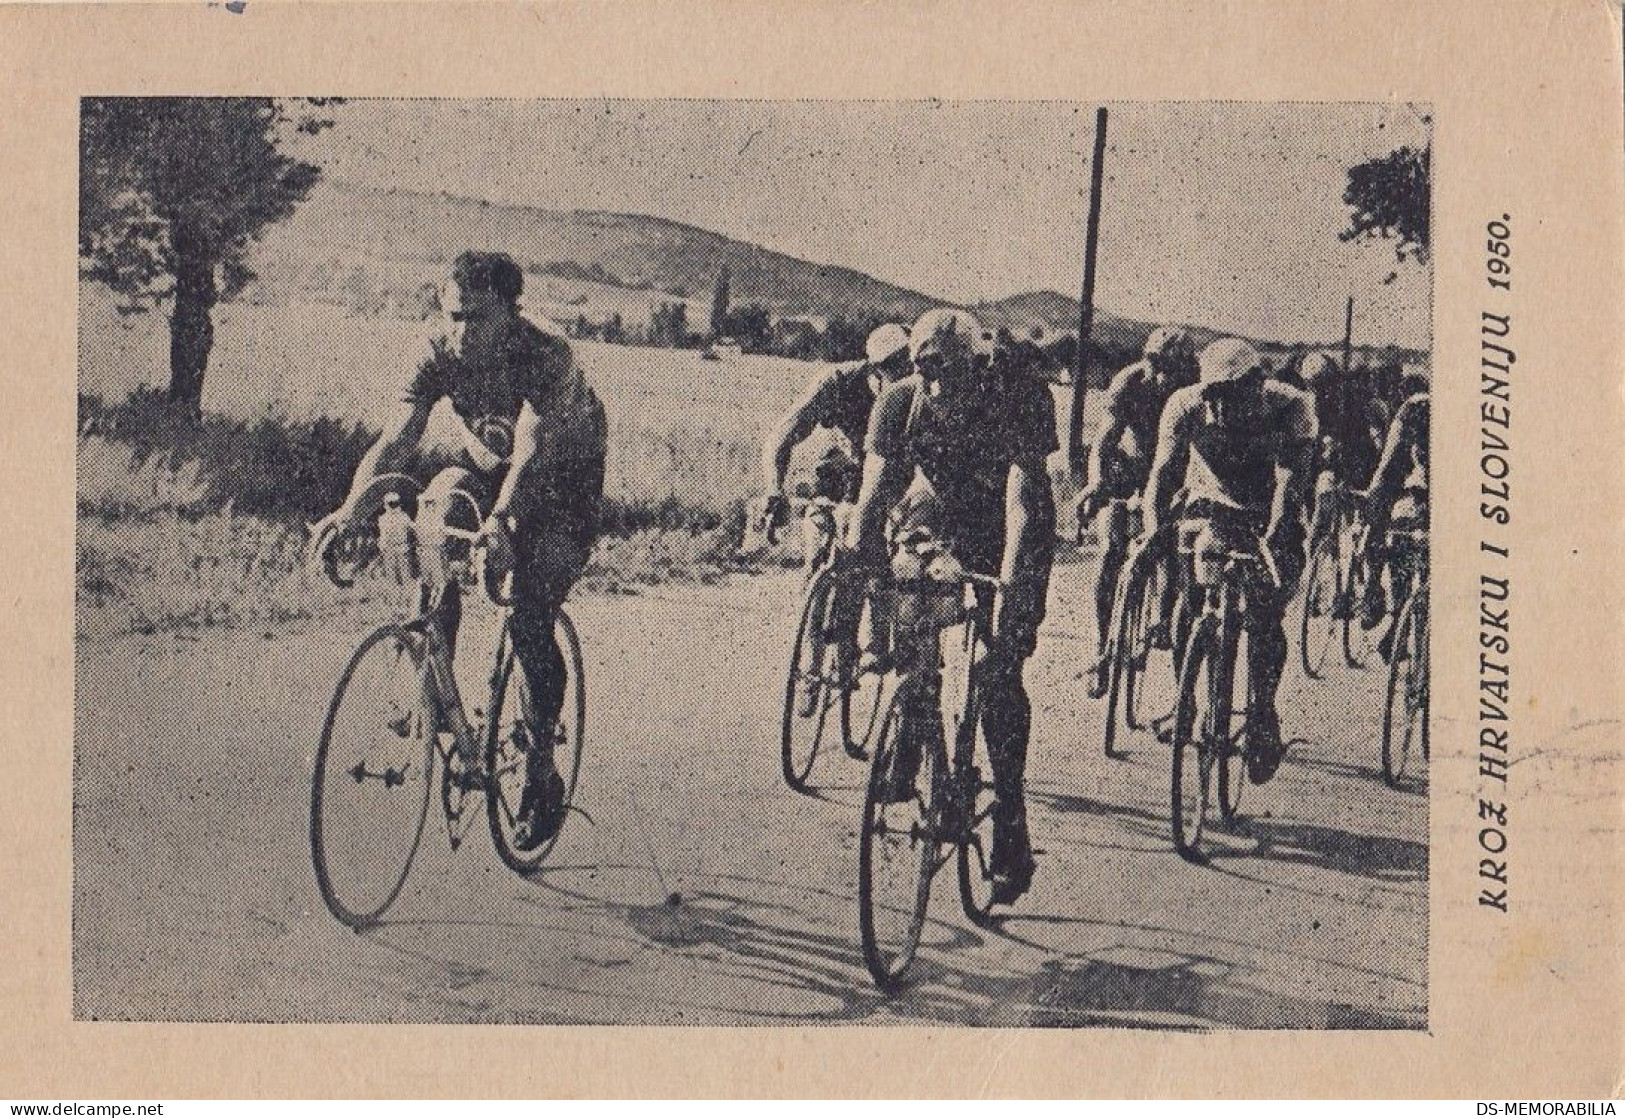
(194, 897)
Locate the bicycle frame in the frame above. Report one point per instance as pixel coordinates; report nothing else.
(965, 673)
(440, 679)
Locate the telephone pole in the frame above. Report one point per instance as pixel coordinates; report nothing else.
(1086, 309)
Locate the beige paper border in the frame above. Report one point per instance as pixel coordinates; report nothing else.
(1527, 102)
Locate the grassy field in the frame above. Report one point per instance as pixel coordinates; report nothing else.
(155, 554)
(680, 426)
(685, 442)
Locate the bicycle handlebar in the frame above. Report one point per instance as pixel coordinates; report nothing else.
(1261, 555)
(323, 546)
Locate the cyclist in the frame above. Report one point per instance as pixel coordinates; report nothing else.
(1398, 494)
(839, 400)
(956, 455)
(1242, 447)
(1119, 464)
(535, 435)
(1351, 421)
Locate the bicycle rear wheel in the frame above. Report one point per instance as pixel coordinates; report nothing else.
(1357, 639)
(1405, 710)
(898, 849)
(1129, 637)
(1193, 755)
(1323, 592)
(974, 788)
(370, 789)
(863, 692)
(812, 687)
(510, 742)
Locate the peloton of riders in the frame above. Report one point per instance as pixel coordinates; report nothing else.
(944, 431)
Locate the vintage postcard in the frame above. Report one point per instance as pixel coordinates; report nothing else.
(815, 549)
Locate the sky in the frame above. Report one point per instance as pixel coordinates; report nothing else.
(1224, 214)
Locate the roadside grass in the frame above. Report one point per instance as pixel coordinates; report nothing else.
(183, 532)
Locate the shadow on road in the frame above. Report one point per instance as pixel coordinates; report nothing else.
(767, 960)
(1378, 857)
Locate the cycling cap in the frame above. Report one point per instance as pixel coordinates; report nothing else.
(1168, 341)
(1316, 367)
(936, 326)
(1228, 359)
(886, 342)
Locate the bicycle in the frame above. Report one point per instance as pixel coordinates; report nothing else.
(1206, 731)
(1405, 711)
(1136, 614)
(948, 801)
(384, 739)
(825, 669)
(1335, 581)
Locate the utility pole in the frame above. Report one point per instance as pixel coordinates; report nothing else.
(1348, 336)
(1086, 310)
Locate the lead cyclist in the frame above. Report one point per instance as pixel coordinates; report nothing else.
(531, 479)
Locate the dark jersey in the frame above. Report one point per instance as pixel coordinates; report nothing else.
(498, 368)
(1349, 414)
(1233, 464)
(963, 452)
(1136, 399)
(842, 401)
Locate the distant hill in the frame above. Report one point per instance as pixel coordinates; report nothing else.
(404, 235)
(384, 251)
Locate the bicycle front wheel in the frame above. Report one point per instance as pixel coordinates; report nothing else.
(1125, 646)
(511, 743)
(1323, 594)
(812, 687)
(1404, 719)
(898, 849)
(1232, 767)
(369, 795)
(1193, 752)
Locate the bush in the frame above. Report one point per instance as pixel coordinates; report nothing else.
(280, 469)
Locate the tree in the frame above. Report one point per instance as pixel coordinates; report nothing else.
(752, 327)
(668, 325)
(1389, 198)
(719, 305)
(843, 340)
(172, 192)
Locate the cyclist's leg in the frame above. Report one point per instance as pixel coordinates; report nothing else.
(1267, 651)
(1409, 511)
(916, 633)
(1323, 517)
(1006, 714)
(846, 598)
(1167, 564)
(554, 538)
(1379, 512)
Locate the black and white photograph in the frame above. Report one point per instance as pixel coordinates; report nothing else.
(950, 563)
